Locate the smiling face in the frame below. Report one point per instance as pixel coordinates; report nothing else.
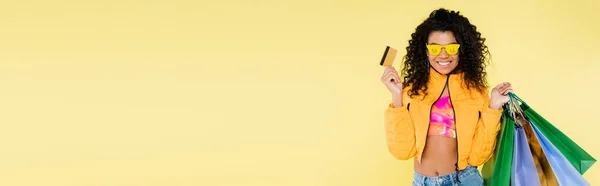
(443, 62)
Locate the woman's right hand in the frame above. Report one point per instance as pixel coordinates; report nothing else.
(391, 80)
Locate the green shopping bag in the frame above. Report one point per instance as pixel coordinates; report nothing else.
(578, 157)
(496, 171)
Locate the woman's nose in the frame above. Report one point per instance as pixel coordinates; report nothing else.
(443, 54)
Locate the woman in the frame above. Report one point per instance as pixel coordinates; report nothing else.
(442, 114)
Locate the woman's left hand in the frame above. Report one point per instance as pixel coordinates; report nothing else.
(500, 95)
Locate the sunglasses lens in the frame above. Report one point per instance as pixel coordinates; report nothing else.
(434, 49)
(452, 49)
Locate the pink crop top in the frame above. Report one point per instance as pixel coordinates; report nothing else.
(442, 119)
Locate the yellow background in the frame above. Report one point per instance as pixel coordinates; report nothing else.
(253, 93)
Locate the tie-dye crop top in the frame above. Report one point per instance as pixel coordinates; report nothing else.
(442, 119)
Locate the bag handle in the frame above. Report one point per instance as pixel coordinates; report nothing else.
(515, 109)
(513, 95)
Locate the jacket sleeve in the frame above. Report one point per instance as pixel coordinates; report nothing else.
(400, 131)
(486, 131)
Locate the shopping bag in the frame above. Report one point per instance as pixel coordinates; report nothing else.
(496, 171)
(524, 171)
(544, 170)
(542, 166)
(576, 155)
(565, 172)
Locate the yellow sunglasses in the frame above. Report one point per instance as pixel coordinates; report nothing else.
(451, 49)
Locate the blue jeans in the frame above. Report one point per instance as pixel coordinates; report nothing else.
(468, 177)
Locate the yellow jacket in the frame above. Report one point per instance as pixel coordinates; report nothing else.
(476, 124)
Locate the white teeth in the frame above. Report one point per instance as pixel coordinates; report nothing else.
(443, 63)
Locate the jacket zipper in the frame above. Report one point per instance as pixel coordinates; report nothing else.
(430, 109)
(455, 128)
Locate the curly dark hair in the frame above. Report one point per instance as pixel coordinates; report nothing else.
(473, 53)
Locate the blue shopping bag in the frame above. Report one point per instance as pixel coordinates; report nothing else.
(565, 172)
(523, 172)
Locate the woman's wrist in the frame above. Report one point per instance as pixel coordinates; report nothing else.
(495, 105)
(397, 100)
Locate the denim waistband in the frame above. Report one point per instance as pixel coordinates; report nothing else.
(449, 179)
